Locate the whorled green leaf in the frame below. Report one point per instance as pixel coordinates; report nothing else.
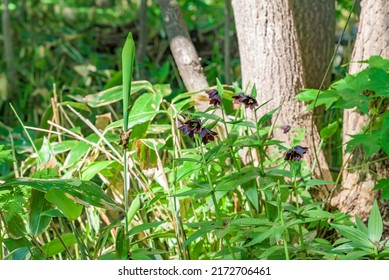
(82, 192)
(360, 225)
(355, 235)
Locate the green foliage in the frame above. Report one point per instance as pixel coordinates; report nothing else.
(367, 91)
(189, 198)
(362, 241)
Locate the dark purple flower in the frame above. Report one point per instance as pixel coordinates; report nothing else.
(191, 127)
(286, 128)
(214, 97)
(248, 101)
(207, 135)
(238, 98)
(296, 153)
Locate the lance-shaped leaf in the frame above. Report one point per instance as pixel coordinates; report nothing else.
(83, 192)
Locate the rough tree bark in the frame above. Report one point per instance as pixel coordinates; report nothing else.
(270, 59)
(184, 52)
(315, 25)
(356, 195)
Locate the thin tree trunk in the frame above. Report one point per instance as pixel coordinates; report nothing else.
(270, 59)
(356, 195)
(183, 50)
(227, 41)
(142, 42)
(315, 25)
(8, 50)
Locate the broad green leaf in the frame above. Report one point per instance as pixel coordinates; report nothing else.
(143, 227)
(329, 130)
(15, 226)
(82, 192)
(198, 189)
(38, 204)
(261, 237)
(315, 182)
(55, 246)
(385, 134)
(383, 184)
(92, 169)
(134, 207)
(206, 116)
(354, 255)
(279, 172)
(319, 214)
(12, 244)
(251, 192)
(378, 62)
(355, 235)
(64, 146)
(230, 182)
(327, 97)
(375, 226)
(251, 222)
(360, 225)
(128, 58)
(115, 94)
(198, 234)
(163, 89)
(220, 88)
(369, 142)
(68, 207)
(122, 245)
(77, 105)
(79, 150)
(135, 120)
(53, 213)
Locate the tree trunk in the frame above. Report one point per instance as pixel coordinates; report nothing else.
(8, 52)
(183, 50)
(356, 195)
(142, 42)
(315, 25)
(270, 59)
(227, 41)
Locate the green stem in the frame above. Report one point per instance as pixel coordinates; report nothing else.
(214, 200)
(261, 158)
(282, 222)
(231, 147)
(295, 189)
(125, 191)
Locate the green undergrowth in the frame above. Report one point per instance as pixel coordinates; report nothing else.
(191, 195)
